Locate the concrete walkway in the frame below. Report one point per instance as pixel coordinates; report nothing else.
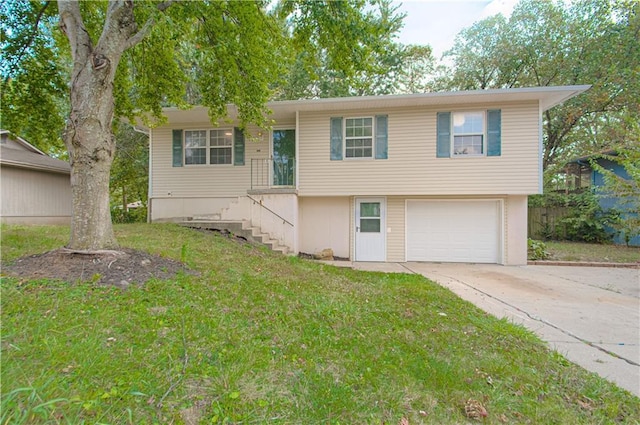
(591, 315)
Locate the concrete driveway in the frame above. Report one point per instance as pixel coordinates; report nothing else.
(591, 315)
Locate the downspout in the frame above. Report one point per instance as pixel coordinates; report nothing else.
(150, 187)
(540, 151)
(296, 215)
(148, 134)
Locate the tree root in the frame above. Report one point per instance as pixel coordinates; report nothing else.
(92, 252)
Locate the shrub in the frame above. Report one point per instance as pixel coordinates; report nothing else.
(583, 220)
(536, 250)
(134, 215)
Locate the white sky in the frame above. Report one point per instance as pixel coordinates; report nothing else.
(437, 22)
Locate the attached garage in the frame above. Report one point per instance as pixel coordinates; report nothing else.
(465, 231)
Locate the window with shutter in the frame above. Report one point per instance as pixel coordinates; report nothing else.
(359, 137)
(468, 133)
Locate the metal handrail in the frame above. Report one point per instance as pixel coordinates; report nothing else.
(262, 169)
(270, 210)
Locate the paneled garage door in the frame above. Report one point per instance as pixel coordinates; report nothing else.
(454, 231)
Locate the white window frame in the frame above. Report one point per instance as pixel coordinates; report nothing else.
(208, 146)
(372, 137)
(483, 134)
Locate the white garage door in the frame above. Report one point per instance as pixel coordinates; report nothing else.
(453, 231)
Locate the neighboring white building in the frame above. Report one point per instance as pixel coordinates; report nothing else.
(426, 177)
(34, 187)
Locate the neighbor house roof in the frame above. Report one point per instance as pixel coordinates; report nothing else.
(582, 159)
(547, 97)
(28, 156)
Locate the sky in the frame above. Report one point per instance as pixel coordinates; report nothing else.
(437, 22)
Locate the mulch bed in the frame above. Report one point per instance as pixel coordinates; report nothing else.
(120, 268)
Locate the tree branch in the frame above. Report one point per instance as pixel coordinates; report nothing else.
(72, 25)
(140, 35)
(32, 36)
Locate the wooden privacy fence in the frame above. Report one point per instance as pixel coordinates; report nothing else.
(544, 222)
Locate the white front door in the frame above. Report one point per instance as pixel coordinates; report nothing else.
(370, 229)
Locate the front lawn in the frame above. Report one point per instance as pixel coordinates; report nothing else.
(261, 338)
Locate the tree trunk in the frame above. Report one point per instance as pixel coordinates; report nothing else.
(91, 145)
(89, 135)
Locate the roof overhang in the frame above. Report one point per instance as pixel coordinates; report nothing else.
(547, 97)
(31, 166)
(32, 161)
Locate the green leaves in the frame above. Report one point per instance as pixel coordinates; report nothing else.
(342, 48)
(33, 87)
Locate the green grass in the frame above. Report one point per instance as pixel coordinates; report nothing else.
(262, 338)
(576, 251)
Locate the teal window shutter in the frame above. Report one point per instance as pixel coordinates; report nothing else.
(494, 138)
(381, 137)
(336, 138)
(443, 149)
(238, 146)
(177, 148)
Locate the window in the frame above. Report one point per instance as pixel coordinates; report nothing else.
(195, 147)
(370, 217)
(221, 144)
(358, 137)
(217, 143)
(468, 133)
(364, 137)
(474, 133)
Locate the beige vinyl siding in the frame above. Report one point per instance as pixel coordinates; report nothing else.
(395, 228)
(516, 211)
(206, 181)
(325, 223)
(31, 196)
(412, 166)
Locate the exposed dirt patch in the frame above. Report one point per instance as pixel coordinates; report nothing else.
(120, 268)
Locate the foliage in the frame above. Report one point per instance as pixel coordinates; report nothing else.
(257, 337)
(34, 75)
(130, 169)
(536, 250)
(130, 215)
(547, 43)
(625, 189)
(583, 220)
(395, 69)
(316, 71)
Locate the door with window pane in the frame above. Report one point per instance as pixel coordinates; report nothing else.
(284, 157)
(370, 243)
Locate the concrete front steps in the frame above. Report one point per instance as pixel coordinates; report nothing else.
(242, 228)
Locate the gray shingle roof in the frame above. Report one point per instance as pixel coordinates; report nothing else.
(26, 159)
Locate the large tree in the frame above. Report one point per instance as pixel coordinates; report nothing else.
(547, 43)
(128, 58)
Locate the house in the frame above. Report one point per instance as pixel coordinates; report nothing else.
(35, 188)
(584, 176)
(426, 177)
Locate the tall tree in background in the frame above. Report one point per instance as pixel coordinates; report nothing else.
(314, 73)
(125, 60)
(547, 43)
